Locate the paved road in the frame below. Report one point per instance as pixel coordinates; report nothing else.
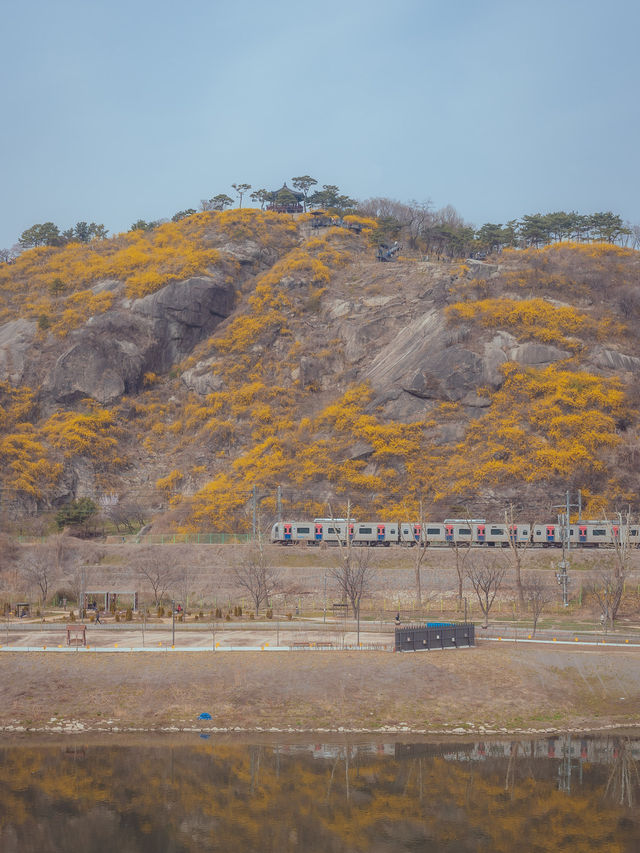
(18, 635)
(36, 636)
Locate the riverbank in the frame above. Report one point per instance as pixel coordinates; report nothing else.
(491, 689)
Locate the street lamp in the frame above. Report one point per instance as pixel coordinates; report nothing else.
(173, 623)
(324, 617)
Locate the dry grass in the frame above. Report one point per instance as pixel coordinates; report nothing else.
(489, 688)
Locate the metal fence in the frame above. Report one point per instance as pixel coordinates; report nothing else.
(452, 635)
(183, 538)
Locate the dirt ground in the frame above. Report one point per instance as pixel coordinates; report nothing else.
(493, 688)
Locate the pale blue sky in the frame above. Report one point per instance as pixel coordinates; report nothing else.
(115, 111)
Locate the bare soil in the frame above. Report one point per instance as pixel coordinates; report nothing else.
(493, 688)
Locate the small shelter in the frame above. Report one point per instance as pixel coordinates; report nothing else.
(110, 596)
(22, 608)
(285, 200)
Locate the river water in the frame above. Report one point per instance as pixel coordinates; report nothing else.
(202, 793)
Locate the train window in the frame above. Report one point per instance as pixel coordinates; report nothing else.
(497, 531)
(633, 532)
(333, 530)
(303, 529)
(433, 531)
(599, 532)
(365, 530)
(465, 531)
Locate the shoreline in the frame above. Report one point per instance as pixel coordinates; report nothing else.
(333, 734)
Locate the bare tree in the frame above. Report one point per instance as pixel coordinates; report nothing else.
(156, 566)
(256, 577)
(461, 551)
(39, 571)
(79, 558)
(619, 534)
(9, 553)
(486, 578)
(127, 515)
(607, 589)
(354, 578)
(419, 553)
(516, 552)
(623, 778)
(537, 596)
(183, 579)
(354, 575)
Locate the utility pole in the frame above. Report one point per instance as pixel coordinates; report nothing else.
(564, 522)
(173, 623)
(280, 504)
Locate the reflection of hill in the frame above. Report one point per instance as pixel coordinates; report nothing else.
(236, 797)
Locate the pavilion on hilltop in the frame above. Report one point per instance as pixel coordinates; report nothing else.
(285, 200)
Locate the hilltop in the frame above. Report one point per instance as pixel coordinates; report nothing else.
(177, 368)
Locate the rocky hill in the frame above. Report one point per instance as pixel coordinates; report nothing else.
(193, 367)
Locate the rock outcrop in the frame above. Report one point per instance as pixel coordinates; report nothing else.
(110, 354)
(16, 338)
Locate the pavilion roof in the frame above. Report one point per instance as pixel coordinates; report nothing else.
(285, 188)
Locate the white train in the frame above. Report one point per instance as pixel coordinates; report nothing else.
(455, 531)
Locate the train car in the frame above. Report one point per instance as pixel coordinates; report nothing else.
(373, 533)
(498, 535)
(293, 532)
(547, 535)
(593, 533)
(335, 531)
(430, 533)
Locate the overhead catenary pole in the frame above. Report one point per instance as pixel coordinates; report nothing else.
(564, 522)
(255, 509)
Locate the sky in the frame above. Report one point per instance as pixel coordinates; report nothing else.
(116, 111)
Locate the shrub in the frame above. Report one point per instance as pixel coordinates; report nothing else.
(72, 616)
(269, 614)
(128, 616)
(160, 611)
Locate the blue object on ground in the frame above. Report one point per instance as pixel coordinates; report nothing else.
(204, 716)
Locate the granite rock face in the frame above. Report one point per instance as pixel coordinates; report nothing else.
(110, 354)
(16, 338)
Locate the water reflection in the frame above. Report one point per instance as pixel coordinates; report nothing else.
(561, 794)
